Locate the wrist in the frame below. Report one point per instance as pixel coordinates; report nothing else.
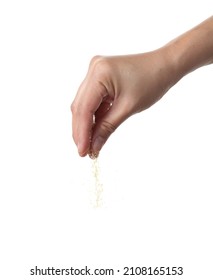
(191, 50)
(171, 70)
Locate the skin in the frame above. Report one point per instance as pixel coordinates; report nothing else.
(117, 87)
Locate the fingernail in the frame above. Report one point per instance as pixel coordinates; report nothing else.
(80, 150)
(98, 144)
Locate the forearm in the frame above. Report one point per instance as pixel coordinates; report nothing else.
(191, 50)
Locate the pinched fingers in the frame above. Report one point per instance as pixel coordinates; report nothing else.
(86, 103)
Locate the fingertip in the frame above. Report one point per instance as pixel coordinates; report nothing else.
(98, 144)
(82, 154)
(81, 150)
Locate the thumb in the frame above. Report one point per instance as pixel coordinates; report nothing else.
(106, 126)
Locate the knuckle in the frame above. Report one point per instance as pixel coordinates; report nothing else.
(73, 108)
(109, 127)
(95, 59)
(101, 65)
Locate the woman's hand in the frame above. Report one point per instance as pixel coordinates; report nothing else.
(114, 89)
(117, 87)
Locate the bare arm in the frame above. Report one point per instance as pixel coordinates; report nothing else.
(193, 49)
(119, 86)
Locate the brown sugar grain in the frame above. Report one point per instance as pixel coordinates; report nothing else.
(98, 186)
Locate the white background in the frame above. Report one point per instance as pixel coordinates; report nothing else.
(156, 169)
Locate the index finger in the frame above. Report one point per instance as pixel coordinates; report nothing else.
(88, 99)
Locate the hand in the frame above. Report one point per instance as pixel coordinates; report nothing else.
(117, 87)
(114, 89)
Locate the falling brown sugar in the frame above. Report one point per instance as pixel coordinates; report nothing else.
(98, 191)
